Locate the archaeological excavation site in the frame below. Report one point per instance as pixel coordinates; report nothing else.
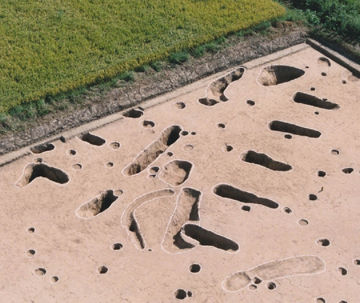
(240, 187)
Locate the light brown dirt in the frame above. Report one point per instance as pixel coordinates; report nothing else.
(252, 198)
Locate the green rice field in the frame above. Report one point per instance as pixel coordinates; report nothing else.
(52, 46)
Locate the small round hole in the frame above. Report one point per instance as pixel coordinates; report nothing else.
(335, 152)
(306, 66)
(250, 102)
(148, 124)
(303, 222)
(257, 280)
(287, 210)
(343, 81)
(31, 229)
(221, 125)
(323, 242)
(72, 152)
(184, 133)
(271, 285)
(40, 271)
(357, 261)
(193, 133)
(62, 139)
(321, 173)
(348, 170)
(180, 294)
(103, 269)
(312, 197)
(228, 148)
(31, 252)
(316, 113)
(170, 154)
(154, 169)
(252, 287)
(189, 293)
(117, 246)
(342, 271)
(115, 145)
(246, 208)
(287, 136)
(323, 74)
(320, 300)
(77, 166)
(312, 89)
(180, 105)
(54, 279)
(109, 164)
(195, 268)
(39, 160)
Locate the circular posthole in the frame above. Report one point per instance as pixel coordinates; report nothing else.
(250, 102)
(193, 133)
(335, 152)
(271, 285)
(31, 252)
(110, 164)
(312, 197)
(348, 170)
(287, 136)
(316, 113)
(195, 268)
(357, 262)
(180, 105)
(170, 154)
(320, 300)
(323, 74)
(323, 242)
(154, 169)
(287, 210)
(343, 82)
(189, 293)
(342, 271)
(180, 294)
(54, 279)
(221, 125)
(184, 133)
(303, 222)
(148, 124)
(312, 88)
(321, 173)
(117, 246)
(72, 152)
(31, 229)
(246, 208)
(77, 166)
(40, 271)
(102, 269)
(115, 145)
(228, 148)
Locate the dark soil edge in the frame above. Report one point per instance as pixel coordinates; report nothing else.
(152, 84)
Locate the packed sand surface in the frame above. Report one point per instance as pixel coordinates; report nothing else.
(246, 190)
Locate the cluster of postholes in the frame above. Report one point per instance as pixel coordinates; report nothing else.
(270, 76)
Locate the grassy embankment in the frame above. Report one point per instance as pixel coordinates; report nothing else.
(52, 47)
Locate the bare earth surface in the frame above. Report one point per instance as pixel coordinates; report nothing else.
(243, 190)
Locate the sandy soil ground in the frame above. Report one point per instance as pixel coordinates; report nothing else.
(243, 192)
